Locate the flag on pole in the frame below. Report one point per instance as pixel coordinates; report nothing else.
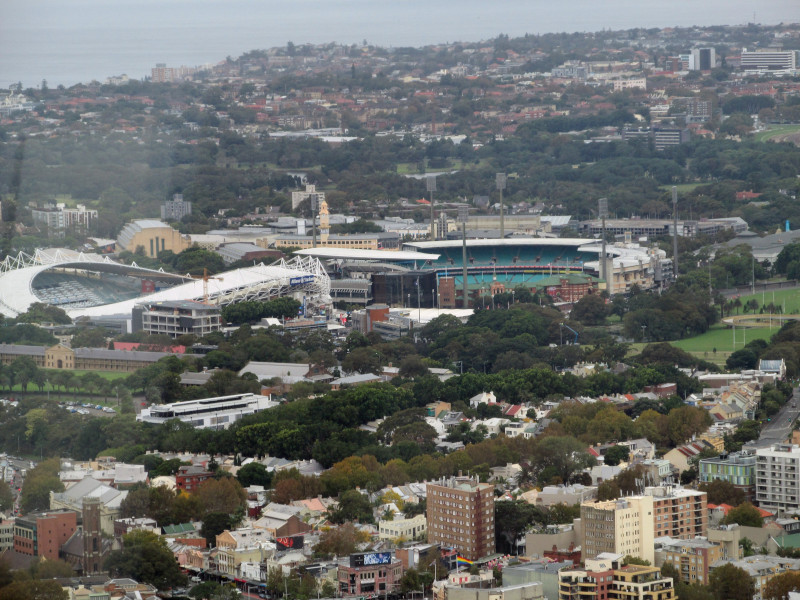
(460, 560)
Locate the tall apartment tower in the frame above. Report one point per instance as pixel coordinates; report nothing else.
(678, 512)
(175, 209)
(92, 537)
(705, 59)
(778, 477)
(461, 515)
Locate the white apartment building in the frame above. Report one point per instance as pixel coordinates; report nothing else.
(623, 526)
(407, 529)
(777, 483)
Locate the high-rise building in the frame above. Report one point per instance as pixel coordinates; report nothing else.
(298, 197)
(777, 484)
(461, 515)
(678, 513)
(623, 526)
(692, 558)
(703, 59)
(176, 209)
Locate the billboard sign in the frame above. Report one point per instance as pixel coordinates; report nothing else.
(370, 558)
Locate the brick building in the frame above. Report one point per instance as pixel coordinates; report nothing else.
(372, 574)
(461, 515)
(43, 533)
(189, 477)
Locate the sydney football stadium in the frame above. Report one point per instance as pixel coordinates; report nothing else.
(94, 286)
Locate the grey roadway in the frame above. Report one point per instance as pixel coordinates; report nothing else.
(779, 429)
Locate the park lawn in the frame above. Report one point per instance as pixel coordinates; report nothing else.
(767, 134)
(109, 376)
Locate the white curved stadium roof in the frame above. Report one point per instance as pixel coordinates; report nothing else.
(251, 283)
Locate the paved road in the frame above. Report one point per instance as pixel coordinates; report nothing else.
(779, 429)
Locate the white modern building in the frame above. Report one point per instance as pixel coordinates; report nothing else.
(768, 59)
(208, 413)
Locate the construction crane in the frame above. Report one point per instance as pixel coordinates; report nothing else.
(206, 277)
(575, 341)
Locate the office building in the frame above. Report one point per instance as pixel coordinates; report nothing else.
(738, 468)
(176, 318)
(623, 526)
(461, 515)
(769, 59)
(777, 487)
(175, 209)
(43, 533)
(669, 136)
(207, 413)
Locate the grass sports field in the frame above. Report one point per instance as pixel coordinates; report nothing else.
(776, 132)
(788, 300)
(719, 337)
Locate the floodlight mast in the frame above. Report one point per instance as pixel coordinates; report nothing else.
(602, 211)
(500, 181)
(463, 215)
(430, 184)
(675, 233)
(313, 201)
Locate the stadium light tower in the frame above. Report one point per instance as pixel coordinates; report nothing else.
(602, 212)
(430, 183)
(675, 233)
(463, 215)
(500, 182)
(313, 200)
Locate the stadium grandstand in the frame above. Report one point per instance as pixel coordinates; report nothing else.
(431, 273)
(524, 261)
(94, 286)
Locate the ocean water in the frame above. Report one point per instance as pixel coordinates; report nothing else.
(69, 41)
